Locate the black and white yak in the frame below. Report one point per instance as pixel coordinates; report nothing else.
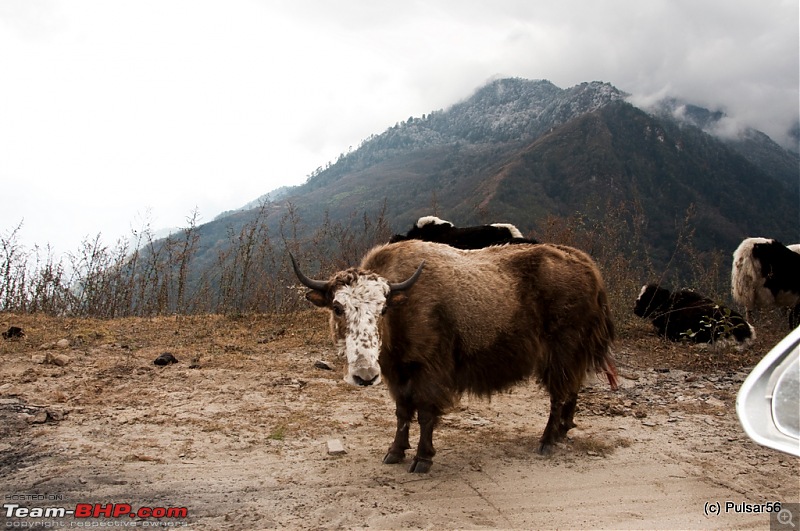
(433, 229)
(435, 322)
(766, 273)
(687, 315)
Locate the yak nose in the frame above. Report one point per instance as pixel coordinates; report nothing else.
(364, 376)
(364, 383)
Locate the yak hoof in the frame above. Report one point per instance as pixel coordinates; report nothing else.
(420, 465)
(545, 449)
(392, 458)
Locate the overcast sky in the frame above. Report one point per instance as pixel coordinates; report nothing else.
(114, 114)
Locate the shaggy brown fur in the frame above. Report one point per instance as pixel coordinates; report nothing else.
(481, 321)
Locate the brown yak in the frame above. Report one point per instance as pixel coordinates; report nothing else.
(435, 322)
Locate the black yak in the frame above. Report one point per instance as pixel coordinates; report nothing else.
(433, 229)
(687, 315)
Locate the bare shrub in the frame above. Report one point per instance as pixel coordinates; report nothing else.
(143, 276)
(48, 292)
(613, 234)
(248, 267)
(13, 267)
(613, 237)
(342, 244)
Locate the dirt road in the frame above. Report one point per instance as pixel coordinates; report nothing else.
(237, 435)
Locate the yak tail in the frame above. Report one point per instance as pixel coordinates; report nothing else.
(604, 362)
(611, 372)
(605, 365)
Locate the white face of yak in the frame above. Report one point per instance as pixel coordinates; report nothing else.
(356, 310)
(357, 300)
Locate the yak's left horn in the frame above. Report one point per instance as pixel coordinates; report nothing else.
(319, 285)
(400, 286)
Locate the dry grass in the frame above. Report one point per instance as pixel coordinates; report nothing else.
(123, 348)
(207, 333)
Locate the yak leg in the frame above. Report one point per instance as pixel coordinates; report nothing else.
(424, 459)
(553, 428)
(567, 415)
(560, 422)
(397, 451)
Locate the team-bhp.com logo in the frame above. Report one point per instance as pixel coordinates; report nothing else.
(92, 510)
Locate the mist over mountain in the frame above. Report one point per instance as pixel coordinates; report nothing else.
(519, 151)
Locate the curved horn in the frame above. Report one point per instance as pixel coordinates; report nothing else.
(319, 285)
(400, 286)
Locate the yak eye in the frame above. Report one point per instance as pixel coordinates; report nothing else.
(338, 310)
(384, 309)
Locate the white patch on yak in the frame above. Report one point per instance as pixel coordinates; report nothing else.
(641, 293)
(748, 280)
(431, 220)
(515, 232)
(362, 304)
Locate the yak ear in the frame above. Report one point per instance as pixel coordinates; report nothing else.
(396, 297)
(317, 298)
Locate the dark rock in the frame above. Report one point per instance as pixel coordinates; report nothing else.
(165, 359)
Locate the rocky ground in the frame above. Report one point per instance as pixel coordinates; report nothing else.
(242, 434)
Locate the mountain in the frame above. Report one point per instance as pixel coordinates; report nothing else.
(755, 146)
(621, 154)
(271, 196)
(507, 112)
(521, 151)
